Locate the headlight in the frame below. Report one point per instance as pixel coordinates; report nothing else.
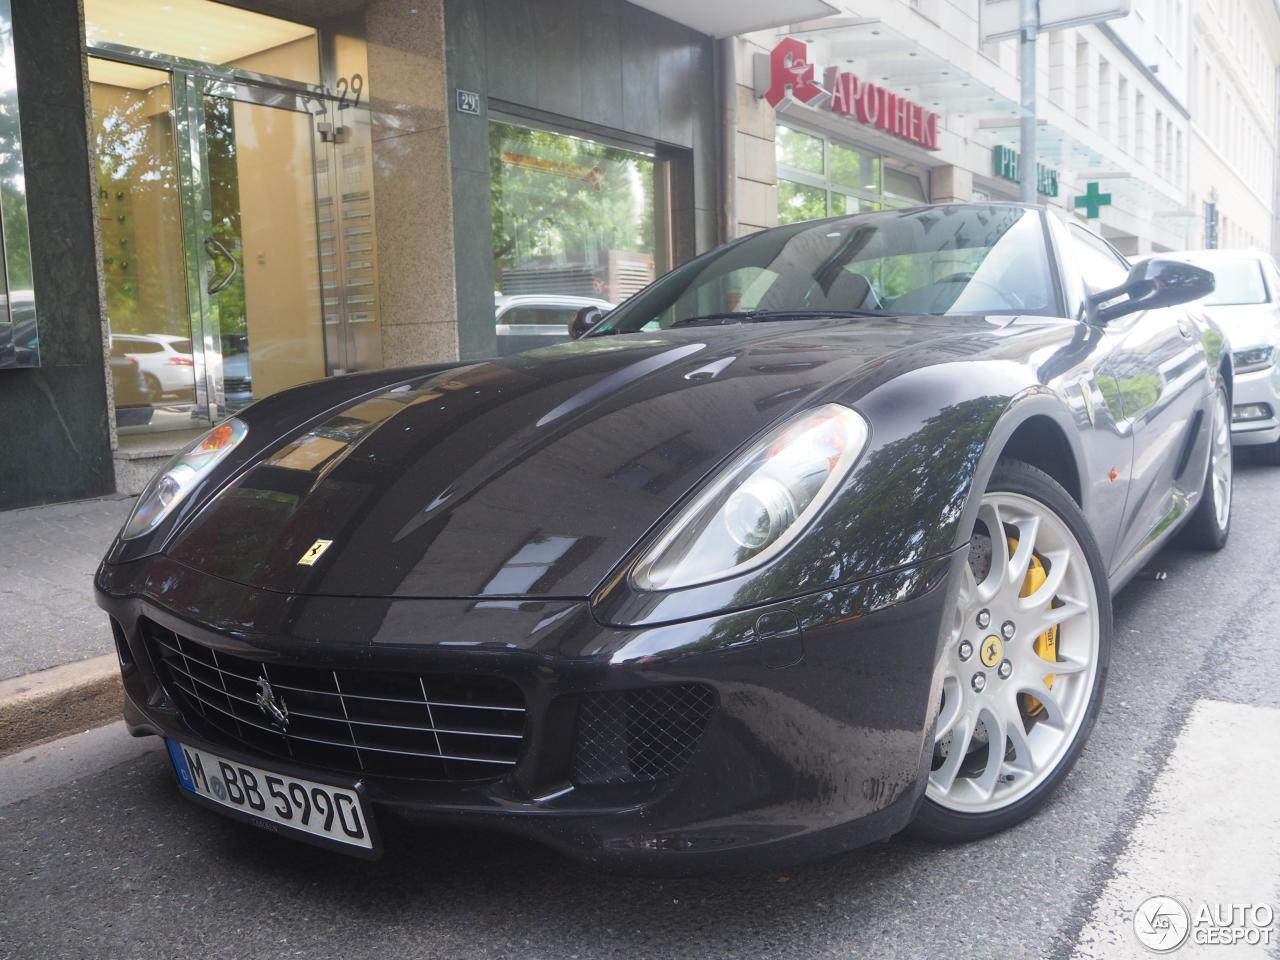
(759, 503)
(1255, 358)
(167, 488)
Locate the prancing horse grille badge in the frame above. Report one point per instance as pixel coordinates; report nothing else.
(271, 705)
(314, 553)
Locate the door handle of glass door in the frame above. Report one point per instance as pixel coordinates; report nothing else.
(214, 249)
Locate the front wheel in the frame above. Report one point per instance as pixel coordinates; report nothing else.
(1025, 661)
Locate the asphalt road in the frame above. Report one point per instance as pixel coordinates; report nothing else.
(100, 858)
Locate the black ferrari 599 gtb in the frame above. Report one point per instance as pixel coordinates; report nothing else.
(812, 540)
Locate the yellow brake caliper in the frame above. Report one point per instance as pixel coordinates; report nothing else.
(1046, 645)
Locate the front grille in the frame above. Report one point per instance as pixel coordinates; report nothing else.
(639, 736)
(380, 722)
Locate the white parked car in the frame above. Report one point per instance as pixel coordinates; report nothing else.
(164, 359)
(1246, 303)
(537, 320)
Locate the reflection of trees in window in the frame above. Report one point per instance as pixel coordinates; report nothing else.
(563, 200)
(224, 199)
(800, 150)
(14, 202)
(138, 204)
(797, 202)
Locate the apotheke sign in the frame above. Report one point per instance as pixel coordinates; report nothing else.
(792, 76)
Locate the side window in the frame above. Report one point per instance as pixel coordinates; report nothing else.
(1101, 267)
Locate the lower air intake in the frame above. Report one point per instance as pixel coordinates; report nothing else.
(639, 736)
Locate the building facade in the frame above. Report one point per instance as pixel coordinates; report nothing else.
(1235, 63)
(1113, 108)
(224, 198)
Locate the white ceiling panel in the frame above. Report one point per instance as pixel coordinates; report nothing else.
(728, 18)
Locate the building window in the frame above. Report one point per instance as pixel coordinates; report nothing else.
(1124, 120)
(574, 217)
(819, 176)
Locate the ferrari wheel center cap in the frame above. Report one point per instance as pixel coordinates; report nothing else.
(992, 651)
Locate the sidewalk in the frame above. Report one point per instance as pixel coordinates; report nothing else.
(47, 559)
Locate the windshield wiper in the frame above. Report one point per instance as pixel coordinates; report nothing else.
(757, 316)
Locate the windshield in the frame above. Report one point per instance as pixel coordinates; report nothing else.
(1235, 282)
(957, 259)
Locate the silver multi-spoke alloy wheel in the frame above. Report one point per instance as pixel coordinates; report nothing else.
(1220, 463)
(1022, 658)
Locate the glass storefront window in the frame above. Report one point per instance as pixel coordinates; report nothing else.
(855, 169)
(903, 187)
(799, 150)
(843, 203)
(797, 202)
(819, 177)
(571, 217)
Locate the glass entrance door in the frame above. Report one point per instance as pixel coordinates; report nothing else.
(208, 197)
(256, 236)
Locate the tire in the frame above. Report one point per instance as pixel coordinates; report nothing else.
(154, 390)
(1024, 501)
(1210, 524)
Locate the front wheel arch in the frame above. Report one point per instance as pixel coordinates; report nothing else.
(1027, 414)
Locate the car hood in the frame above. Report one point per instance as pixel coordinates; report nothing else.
(532, 475)
(1247, 324)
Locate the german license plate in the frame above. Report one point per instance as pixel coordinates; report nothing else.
(318, 809)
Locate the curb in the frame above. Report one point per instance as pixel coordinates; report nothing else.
(52, 703)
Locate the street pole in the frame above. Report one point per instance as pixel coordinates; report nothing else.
(1029, 26)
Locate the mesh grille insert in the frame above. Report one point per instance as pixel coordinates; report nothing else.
(382, 722)
(639, 736)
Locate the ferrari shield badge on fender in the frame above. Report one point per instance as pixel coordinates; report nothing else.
(314, 553)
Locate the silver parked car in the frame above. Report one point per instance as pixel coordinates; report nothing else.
(537, 320)
(1246, 304)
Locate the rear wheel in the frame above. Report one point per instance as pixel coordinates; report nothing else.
(1025, 663)
(1210, 525)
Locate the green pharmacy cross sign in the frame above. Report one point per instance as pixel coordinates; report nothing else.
(1092, 200)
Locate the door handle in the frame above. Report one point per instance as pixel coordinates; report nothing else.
(216, 250)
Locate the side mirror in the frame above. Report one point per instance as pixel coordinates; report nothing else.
(584, 320)
(1153, 283)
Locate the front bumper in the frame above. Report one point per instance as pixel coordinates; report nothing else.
(819, 739)
(1259, 387)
